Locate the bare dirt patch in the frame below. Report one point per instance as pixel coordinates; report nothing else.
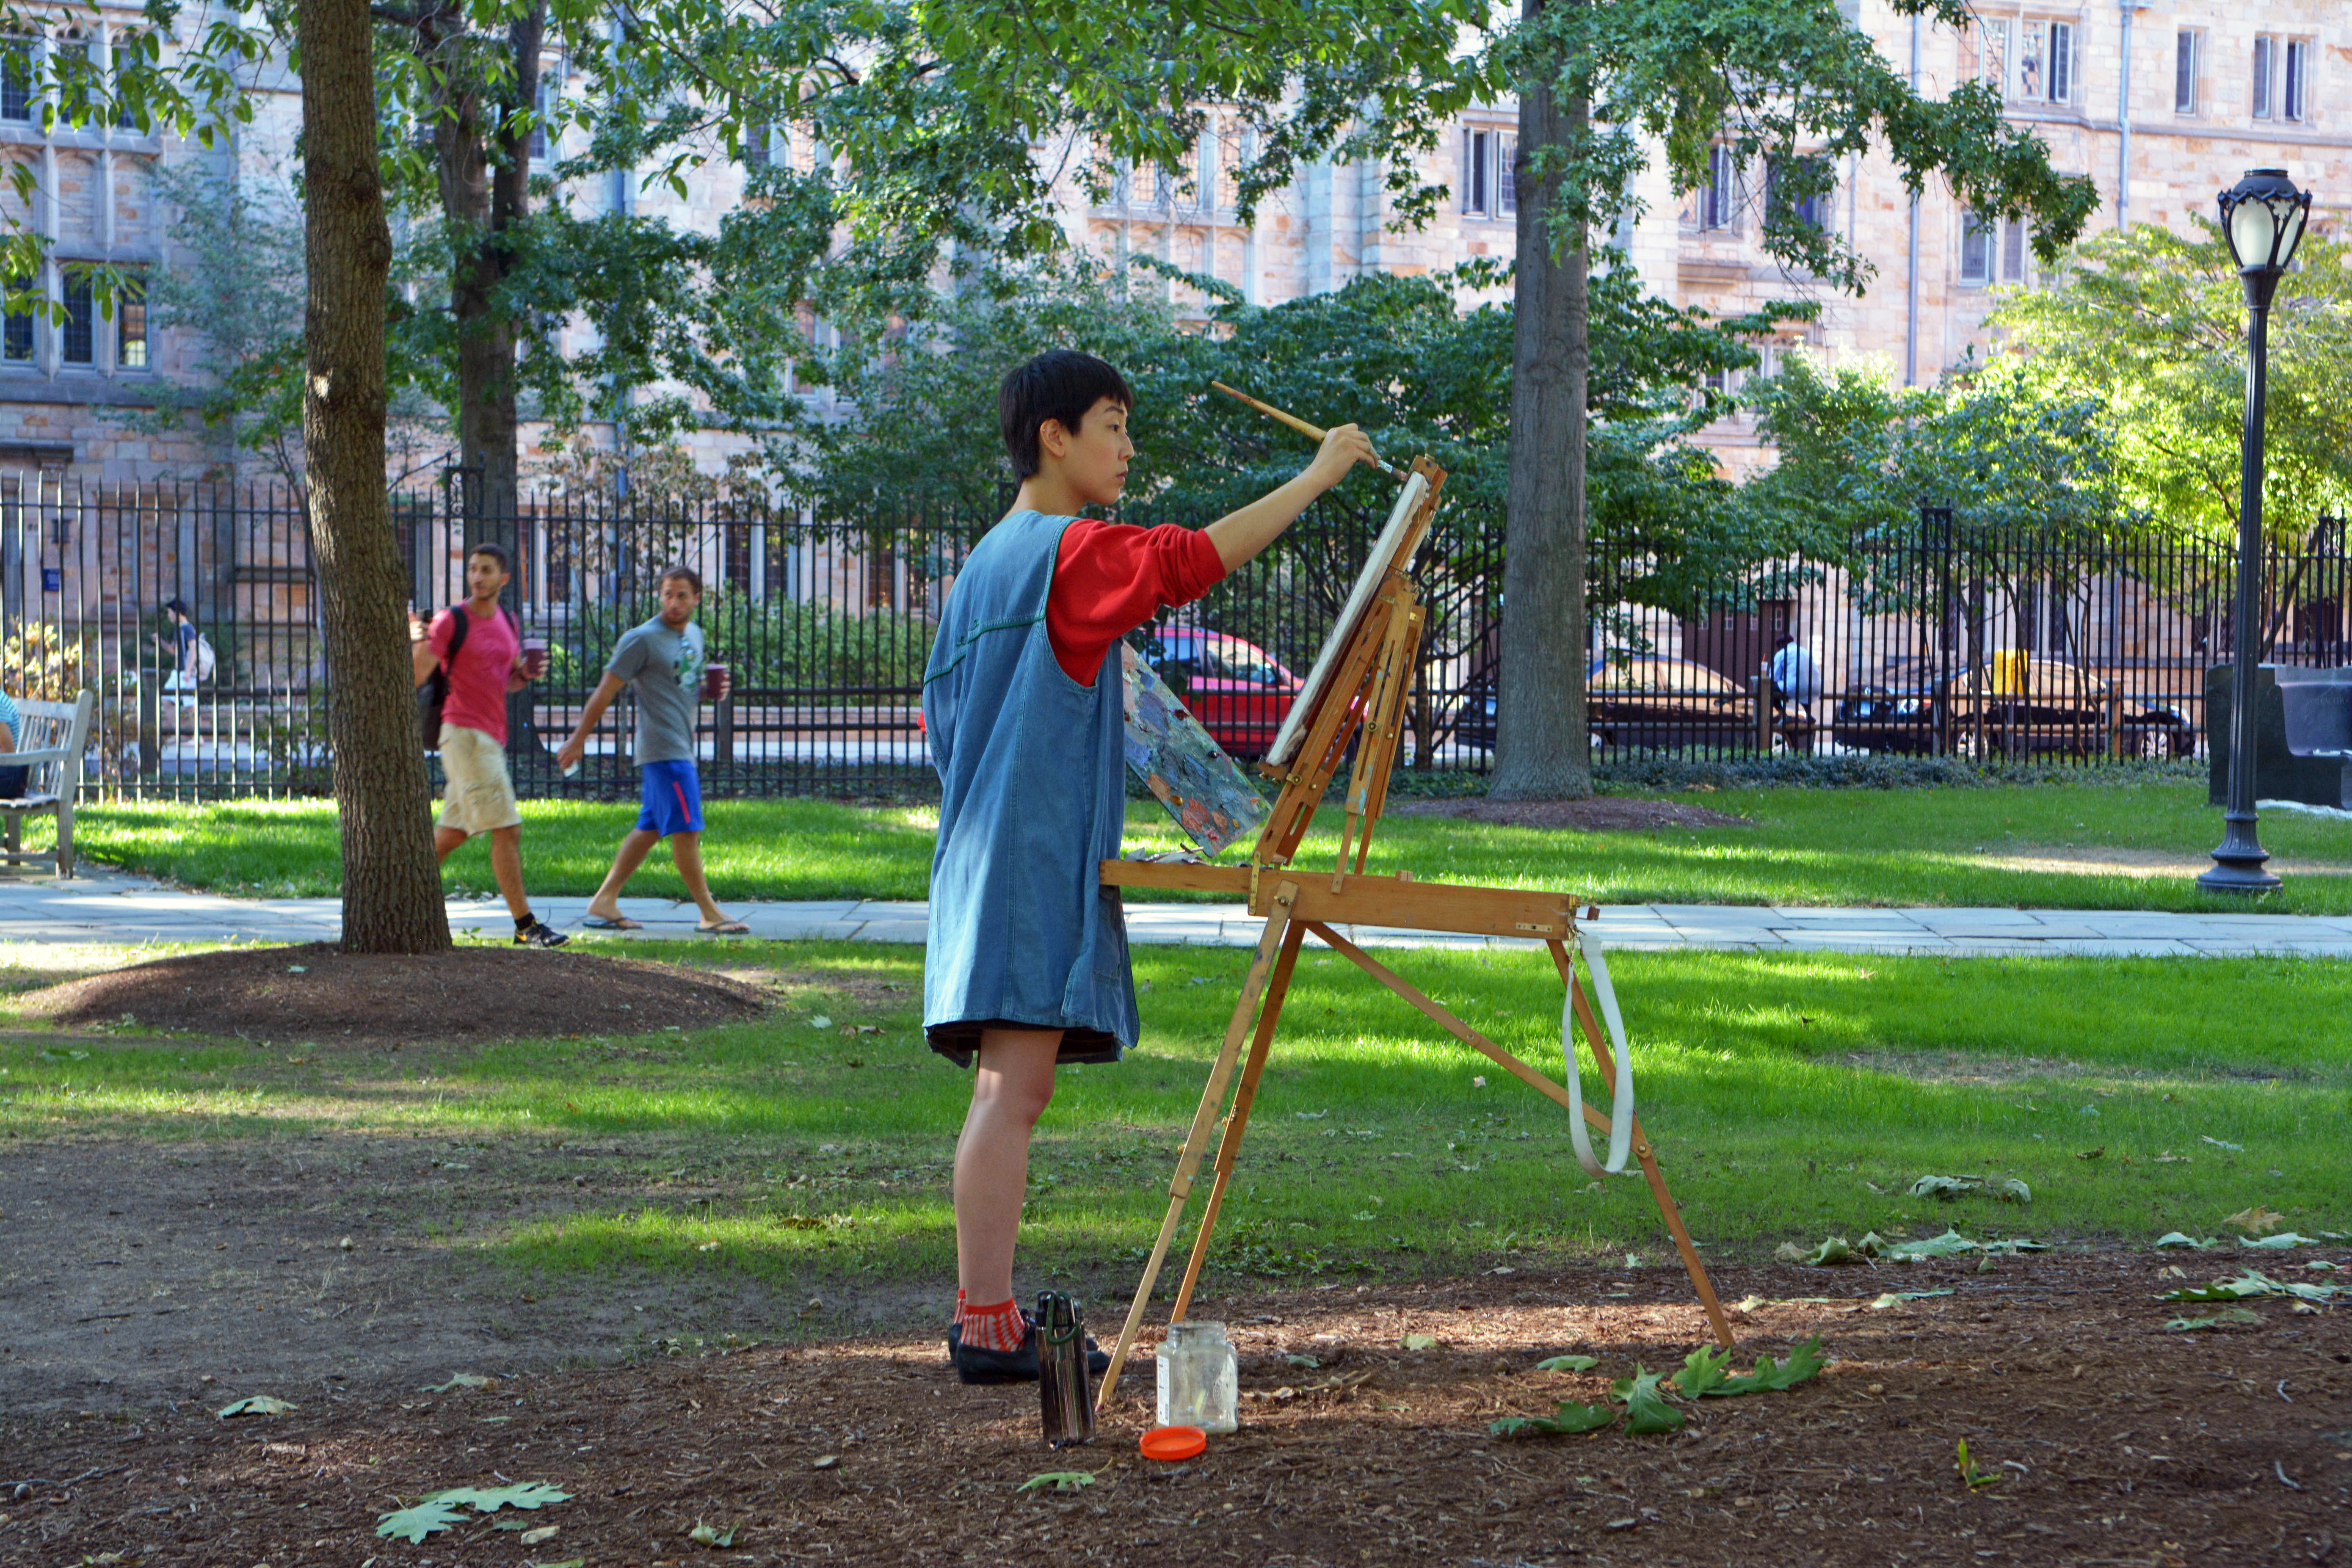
(2109, 1439)
(470, 992)
(1597, 813)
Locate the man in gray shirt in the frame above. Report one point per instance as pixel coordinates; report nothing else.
(662, 660)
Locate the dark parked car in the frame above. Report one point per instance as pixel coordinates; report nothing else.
(1648, 700)
(1238, 692)
(2027, 705)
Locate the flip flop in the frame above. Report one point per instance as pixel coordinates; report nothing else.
(725, 927)
(621, 922)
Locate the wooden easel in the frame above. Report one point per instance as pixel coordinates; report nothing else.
(1372, 681)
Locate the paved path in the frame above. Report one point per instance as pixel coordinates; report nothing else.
(102, 907)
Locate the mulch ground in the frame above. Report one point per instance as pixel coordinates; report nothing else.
(469, 993)
(2110, 1439)
(1596, 814)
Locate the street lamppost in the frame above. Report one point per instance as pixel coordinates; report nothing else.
(2262, 215)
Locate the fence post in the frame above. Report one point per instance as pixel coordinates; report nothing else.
(1764, 708)
(2115, 718)
(723, 734)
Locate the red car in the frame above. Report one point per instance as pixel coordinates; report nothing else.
(1237, 690)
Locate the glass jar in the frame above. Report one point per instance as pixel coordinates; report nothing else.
(1200, 1378)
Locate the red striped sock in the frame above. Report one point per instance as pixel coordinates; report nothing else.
(997, 1328)
(958, 1318)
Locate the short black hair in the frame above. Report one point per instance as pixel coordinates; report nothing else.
(684, 572)
(1061, 385)
(496, 551)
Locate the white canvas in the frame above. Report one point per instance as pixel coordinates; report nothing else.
(1359, 599)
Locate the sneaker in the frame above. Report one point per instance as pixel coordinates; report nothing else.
(541, 934)
(978, 1366)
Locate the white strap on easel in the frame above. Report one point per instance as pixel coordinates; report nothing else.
(1621, 1107)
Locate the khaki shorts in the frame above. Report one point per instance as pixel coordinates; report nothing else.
(480, 796)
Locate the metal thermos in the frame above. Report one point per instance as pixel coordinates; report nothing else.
(1061, 1380)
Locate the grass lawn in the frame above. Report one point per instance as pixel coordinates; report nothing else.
(2042, 846)
(1790, 1098)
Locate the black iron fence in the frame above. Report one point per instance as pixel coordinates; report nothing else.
(1936, 641)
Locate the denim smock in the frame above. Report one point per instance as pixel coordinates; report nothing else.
(1033, 794)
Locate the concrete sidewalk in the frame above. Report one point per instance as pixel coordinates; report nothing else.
(110, 908)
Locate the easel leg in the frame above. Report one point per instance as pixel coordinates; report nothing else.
(1667, 1211)
(1196, 1142)
(1229, 1147)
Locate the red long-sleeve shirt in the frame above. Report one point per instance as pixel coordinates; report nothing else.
(1110, 578)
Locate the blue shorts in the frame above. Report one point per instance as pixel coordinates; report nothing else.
(672, 793)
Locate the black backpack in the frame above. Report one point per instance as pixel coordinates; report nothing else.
(434, 695)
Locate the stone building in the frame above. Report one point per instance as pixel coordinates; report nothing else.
(2162, 105)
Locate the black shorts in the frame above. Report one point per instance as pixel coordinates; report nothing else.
(960, 1041)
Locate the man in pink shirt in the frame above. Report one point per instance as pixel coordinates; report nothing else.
(487, 664)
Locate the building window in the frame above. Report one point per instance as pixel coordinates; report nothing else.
(1976, 249)
(77, 342)
(16, 81)
(131, 324)
(2297, 85)
(1477, 192)
(2188, 48)
(2265, 62)
(1506, 173)
(1230, 156)
(1992, 55)
(760, 145)
(16, 340)
(1799, 190)
(1992, 250)
(543, 112)
(2045, 63)
(1719, 198)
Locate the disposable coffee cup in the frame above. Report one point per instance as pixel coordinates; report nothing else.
(534, 656)
(714, 681)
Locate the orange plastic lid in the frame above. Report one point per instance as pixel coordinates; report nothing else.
(1173, 1443)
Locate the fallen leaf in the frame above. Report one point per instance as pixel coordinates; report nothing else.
(1566, 1421)
(532, 1537)
(490, 1499)
(1568, 1363)
(1703, 1369)
(706, 1535)
(1307, 1361)
(1646, 1410)
(2173, 1240)
(825, 1461)
(2234, 1148)
(2284, 1238)
(256, 1405)
(429, 1516)
(1060, 1480)
(2227, 1316)
(1804, 1361)
(820, 1022)
(1896, 1298)
(1420, 1341)
(2258, 1219)
(458, 1380)
(2091, 1153)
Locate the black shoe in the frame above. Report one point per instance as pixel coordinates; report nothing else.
(538, 933)
(1097, 1358)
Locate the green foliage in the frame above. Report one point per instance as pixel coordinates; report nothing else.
(1568, 1363)
(2153, 322)
(1970, 1477)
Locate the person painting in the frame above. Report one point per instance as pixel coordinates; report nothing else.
(1025, 964)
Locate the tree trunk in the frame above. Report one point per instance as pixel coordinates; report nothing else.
(483, 162)
(392, 887)
(1541, 748)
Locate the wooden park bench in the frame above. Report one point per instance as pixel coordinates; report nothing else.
(50, 743)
